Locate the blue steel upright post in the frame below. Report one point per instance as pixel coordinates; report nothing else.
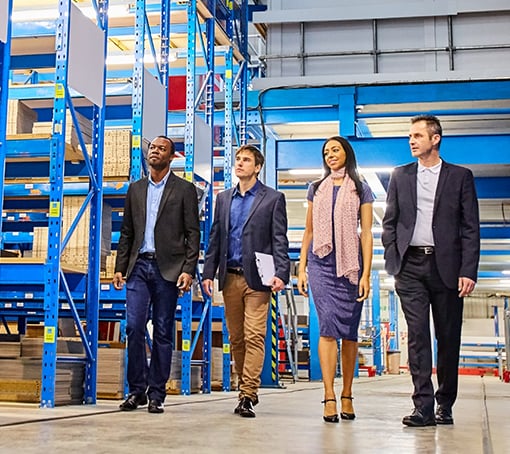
(56, 177)
(189, 130)
(209, 118)
(5, 58)
(376, 322)
(137, 93)
(393, 310)
(96, 209)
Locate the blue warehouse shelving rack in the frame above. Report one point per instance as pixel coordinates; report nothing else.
(48, 282)
(53, 292)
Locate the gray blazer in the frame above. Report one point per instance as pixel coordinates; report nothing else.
(176, 233)
(265, 231)
(455, 223)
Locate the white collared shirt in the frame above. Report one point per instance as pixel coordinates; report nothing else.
(426, 185)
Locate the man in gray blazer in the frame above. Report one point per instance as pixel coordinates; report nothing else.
(156, 257)
(431, 238)
(248, 218)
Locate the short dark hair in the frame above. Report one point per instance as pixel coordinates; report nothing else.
(257, 154)
(433, 125)
(172, 144)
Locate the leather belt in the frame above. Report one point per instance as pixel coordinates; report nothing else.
(238, 271)
(147, 255)
(426, 250)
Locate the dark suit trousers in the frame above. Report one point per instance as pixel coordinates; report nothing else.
(147, 292)
(420, 289)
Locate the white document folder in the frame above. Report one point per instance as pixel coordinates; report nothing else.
(265, 267)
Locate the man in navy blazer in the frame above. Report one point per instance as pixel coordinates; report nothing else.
(431, 238)
(156, 257)
(248, 218)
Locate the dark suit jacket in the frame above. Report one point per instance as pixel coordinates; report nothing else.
(265, 231)
(455, 223)
(176, 233)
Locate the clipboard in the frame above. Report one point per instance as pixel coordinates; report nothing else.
(265, 267)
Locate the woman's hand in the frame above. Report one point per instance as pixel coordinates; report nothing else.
(302, 283)
(364, 288)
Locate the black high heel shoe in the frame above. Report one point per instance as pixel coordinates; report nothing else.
(345, 415)
(331, 418)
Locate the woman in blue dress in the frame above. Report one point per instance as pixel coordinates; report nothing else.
(339, 260)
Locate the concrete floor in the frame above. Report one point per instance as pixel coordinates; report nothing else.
(288, 420)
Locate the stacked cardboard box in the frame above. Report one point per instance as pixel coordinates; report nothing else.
(20, 378)
(173, 385)
(110, 371)
(110, 265)
(73, 151)
(117, 153)
(76, 252)
(20, 118)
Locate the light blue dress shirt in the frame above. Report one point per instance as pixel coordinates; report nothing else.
(154, 194)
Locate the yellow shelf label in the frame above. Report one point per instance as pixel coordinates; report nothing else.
(49, 334)
(228, 74)
(59, 91)
(54, 209)
(186, 344)
(136, 141)
(226, 348)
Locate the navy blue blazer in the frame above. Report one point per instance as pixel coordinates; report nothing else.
(265, 230)
(455, 222)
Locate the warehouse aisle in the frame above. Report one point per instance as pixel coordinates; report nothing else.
(288, 421)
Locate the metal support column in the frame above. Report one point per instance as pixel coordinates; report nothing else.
(393, 310)
(313, 333)
(57, 151)
(137, 93)
(269, 376)
(5, 58)
(189, 129)
(96, 209)
(376, 323)
(229, 109)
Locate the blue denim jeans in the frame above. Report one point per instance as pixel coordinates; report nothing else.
(148, 293)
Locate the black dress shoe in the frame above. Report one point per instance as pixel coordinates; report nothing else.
(133, 402)
(237, 410)
(418, 419)
(246, 410)
(444, 415)
(155, 406)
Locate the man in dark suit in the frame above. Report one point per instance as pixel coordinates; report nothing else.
(156, 258)
(431, 238)
(248, 218)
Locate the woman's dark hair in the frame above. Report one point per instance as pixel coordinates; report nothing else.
(350, 164)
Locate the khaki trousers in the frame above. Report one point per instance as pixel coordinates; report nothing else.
(246, 315)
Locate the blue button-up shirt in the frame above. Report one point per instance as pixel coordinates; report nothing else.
(154, 194)
(239, 210)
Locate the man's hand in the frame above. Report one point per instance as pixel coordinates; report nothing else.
(276, 284)
(466, 286)
(184, 282)
(118, 281)
(208, 286)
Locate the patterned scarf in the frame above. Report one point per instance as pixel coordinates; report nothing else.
(345, 222)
